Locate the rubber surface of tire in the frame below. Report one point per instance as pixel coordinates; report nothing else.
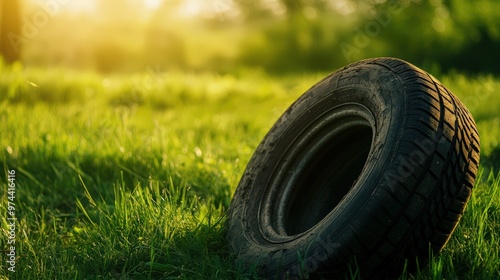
(371, 167)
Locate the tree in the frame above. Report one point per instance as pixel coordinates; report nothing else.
(10, 24)
(293, 7)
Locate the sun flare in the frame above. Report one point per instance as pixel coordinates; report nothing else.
(152, 4)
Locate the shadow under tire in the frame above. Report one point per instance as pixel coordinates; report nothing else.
(371, 167)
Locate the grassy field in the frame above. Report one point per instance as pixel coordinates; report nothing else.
(130, 177)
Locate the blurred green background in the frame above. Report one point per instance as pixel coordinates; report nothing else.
(277, 36)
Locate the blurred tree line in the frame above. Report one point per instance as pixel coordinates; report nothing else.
(10, 23)
(323, 35)
(275, 35)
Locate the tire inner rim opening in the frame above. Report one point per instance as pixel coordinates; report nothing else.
(323, 166)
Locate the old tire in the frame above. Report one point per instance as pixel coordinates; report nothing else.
(369, 169)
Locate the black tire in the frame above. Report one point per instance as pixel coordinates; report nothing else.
(371, 168)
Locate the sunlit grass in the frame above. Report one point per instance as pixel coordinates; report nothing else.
(129, 177)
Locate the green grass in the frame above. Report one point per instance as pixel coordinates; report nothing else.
(129, 177)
